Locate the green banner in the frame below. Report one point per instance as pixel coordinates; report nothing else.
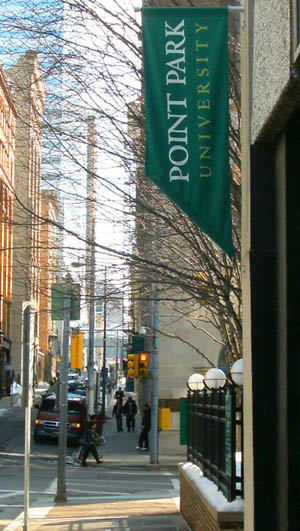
(186, 73)
(58, 292)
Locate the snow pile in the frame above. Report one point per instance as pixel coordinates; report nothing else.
(210, 491)
(15, 389)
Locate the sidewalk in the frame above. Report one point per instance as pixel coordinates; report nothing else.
(121, 447)
(8, 402)
(119, 451)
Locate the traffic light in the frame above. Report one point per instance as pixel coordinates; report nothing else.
(132, 365)
(77, 350)
(143, 364)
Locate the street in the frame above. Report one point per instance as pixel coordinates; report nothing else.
(126, 479)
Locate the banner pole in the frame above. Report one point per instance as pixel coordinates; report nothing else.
(230, 8)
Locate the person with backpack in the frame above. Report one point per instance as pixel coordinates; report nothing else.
(89, 442)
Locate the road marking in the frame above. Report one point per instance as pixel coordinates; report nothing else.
(176, 484)
(34, 512)
(15, 524)
(69, 491)
(11, 493)
(52, 488)
(165, 494)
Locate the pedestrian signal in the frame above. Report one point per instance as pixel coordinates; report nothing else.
(132, 365)
(143, 364)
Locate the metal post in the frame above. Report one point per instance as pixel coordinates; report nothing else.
(27, 403)
(104, 347)
(91, 349)
(117, 357)
(63, 417)
(91, 256)
(154, 383)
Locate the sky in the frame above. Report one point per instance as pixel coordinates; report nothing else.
(39, 24)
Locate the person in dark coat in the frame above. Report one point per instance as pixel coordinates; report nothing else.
(146, 426)
(119, 394)
(118, 413)
(88, 444)
(130, 410)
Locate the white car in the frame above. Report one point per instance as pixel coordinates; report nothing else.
(73, 377)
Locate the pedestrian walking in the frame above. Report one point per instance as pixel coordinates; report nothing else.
(89, 442)
(118, 413)
(130, 410)
(146, 426)
(119, 394)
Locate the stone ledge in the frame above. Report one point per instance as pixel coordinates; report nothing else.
(204, 507)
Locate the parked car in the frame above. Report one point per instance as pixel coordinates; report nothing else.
(77, 389)
(47, 419)
(73, 377)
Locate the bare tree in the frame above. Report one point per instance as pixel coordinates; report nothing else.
(90, 53)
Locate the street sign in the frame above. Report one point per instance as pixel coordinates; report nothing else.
(58, 292)
(138, 343)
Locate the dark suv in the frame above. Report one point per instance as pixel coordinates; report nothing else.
(47, 419)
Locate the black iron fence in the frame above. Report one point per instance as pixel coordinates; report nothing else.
(215, 437)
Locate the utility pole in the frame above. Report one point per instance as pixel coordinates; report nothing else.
(63, 417)
(104, 346)
(90, 256)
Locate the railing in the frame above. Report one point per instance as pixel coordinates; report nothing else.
(215, 434)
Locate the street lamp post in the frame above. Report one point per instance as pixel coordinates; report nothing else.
(237, 372)
(215, 379)
(196, 382)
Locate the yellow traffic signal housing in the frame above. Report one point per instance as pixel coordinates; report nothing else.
(143, 364)
(77, 351)
(132, 365)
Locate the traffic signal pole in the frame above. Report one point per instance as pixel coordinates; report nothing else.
(61, 493)
(153, 439)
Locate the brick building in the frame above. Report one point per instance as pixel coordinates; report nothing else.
(29, 93)
(8, 115)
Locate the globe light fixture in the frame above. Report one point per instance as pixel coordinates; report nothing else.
(196, 382)
(237, 372)
(215, 379)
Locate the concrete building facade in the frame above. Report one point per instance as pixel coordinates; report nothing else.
(271, 256)
(48, 276)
